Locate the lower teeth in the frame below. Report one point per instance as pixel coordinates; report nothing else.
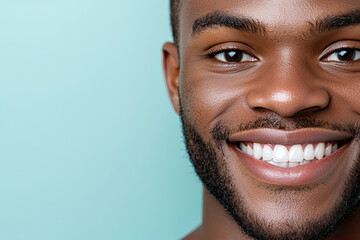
(289, 164)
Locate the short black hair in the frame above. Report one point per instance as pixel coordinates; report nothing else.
(175, 12)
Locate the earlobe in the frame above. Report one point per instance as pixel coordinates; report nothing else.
(171, 66)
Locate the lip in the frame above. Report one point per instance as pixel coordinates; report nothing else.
(296, 176)
(301, 136)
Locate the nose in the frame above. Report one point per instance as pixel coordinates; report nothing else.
(288, 91)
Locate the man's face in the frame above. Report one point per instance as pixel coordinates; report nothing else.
(266, 89)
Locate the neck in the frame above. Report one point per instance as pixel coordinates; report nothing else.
(217, 223)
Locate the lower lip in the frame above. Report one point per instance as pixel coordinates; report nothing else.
(296, 176)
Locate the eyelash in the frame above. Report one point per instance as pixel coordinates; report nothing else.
(212, 53)
(339, 50)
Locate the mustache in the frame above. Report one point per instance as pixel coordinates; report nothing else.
(222, 131)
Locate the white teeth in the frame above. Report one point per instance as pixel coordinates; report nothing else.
(309, 152)
(267, 153)
(272, 162)
(250, 150)
(296, 154)
(243, 148)
(293, 164)
(282, 164)
(281, 154)
(335, 147)
(286, 156)
(320, 151)
(328, 150)
(257, 150)
(304, 162)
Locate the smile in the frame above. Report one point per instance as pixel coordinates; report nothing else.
(289, 155)
(290, 158)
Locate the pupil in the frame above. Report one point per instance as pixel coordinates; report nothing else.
(233, 56)
(346, 55)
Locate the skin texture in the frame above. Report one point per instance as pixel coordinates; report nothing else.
(289, 82)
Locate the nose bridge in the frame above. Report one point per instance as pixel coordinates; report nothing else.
(287, 88)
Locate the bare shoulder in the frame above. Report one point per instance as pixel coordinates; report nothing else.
(195, 235)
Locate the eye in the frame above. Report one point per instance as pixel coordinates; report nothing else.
(344, 55)
(234, 56)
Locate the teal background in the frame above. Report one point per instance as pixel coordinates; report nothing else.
(90, 147)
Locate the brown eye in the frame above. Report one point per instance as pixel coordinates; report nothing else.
(344, 55)
(234, 56)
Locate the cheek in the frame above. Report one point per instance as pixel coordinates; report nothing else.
(350, 96)
(345, 102)
(210, 98)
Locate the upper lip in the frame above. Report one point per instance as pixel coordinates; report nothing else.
(300, 136)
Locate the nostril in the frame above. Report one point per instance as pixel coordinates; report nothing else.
(311, 109)
(260, 109)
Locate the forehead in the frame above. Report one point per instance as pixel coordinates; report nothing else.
(277, 15)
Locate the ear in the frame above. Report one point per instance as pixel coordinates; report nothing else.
(171, 65)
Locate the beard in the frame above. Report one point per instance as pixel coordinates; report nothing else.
(212, 167)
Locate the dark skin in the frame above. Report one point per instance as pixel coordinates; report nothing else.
(288, 68)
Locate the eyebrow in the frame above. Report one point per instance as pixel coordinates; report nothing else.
(220, 19)
(336, 22)
(250, 25)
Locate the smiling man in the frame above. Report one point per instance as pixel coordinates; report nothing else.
(268, 94)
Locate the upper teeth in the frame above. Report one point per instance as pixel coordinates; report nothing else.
(288, 156)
